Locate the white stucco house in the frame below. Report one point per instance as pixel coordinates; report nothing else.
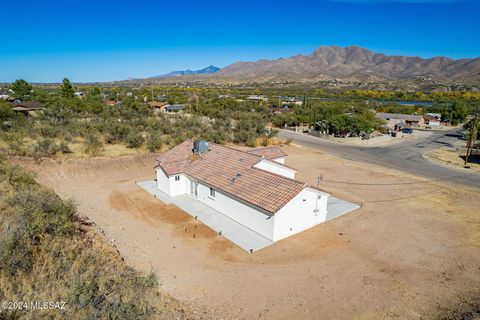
(254, 188)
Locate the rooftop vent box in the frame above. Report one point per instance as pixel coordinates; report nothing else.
(200, 146)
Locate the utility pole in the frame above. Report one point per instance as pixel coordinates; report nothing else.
(473, 136)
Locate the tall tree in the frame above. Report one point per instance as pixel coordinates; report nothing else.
(66, 89)
(21, 89)
(458, 112)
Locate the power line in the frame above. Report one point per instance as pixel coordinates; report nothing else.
(407, 197)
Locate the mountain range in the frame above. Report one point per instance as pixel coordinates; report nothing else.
(209, 69)
(353, 63)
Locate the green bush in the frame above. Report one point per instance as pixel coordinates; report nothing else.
(93, 145)
(45, 148)
(135, 140)
(45, 254)
(63, 148)
(154, 142)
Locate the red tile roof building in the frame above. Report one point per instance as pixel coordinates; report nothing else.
(253, 188)
(232, 171)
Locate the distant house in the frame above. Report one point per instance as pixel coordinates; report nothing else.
(433, 119)
(279, 110)
(397, 121)
(28, 108)
(111, 102)
(253, 188)
(4, 94)
(290, 100)
(174, 108)
(254, 97)
(157, 106)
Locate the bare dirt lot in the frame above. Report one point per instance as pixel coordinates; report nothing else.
(453, 159)
(412, 251)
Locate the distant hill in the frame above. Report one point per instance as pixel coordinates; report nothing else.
(338, 64)
(355, 64)
(209, 69)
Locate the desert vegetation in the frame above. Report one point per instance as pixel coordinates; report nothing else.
(86, 125)
(47, 253)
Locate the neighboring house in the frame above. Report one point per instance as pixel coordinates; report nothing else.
(28, 108)
(397, 121)
(174, 108)
(4, 94)
(286, 100)
(254, 97)
(433, 119)
(254, 188)
(279, 110)
(111, 102)
(158, 106)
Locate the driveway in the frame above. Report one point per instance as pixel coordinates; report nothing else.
(405, 156)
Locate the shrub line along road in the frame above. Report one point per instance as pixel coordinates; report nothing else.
(405, 156)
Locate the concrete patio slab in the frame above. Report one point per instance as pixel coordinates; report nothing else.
(337, 207)
(151, 187)
(242, 236)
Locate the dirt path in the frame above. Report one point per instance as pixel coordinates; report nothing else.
(413, 246)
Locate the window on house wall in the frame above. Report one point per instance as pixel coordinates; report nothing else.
(212, 192)
(177, 178)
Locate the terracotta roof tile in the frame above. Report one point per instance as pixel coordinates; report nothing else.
(269, 153)
(231, 171)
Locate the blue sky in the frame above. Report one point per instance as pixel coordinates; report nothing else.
(102, 40)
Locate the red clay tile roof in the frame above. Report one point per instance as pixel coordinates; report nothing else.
(231, 171)
(269, 153)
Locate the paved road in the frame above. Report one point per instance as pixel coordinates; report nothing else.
(405, 156)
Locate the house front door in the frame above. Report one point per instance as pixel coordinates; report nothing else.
(193, 188)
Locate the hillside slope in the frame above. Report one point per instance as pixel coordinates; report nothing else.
(353, 63)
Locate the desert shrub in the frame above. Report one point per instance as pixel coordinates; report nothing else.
(116, 132)
(45, 254)
(93, 145)
(15, 143)
(48, 131)
(135, 140)
(6, 112)
(154, 142)
(63, 148)
(45, 148)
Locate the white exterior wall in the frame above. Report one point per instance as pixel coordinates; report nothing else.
(299, 214)
(280, 160)
(296, 216)
(163, 183)
(241, 213)
(277, 168)
(178, 187)
(171, 187)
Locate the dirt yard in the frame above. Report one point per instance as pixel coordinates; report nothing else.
(412, 251)
(453, 159)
